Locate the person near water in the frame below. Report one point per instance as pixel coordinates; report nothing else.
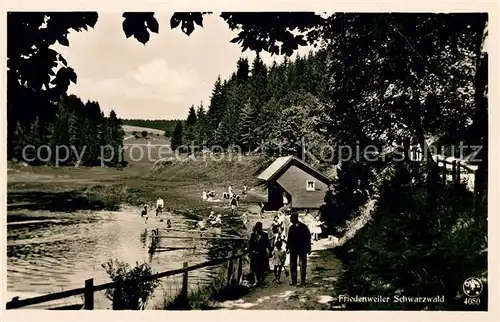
(259, 248)
(234, 204)
(279, 256)
(201, 225)
(244, 192)
(159, 205)
(144, 211)
(299, 246)
(204, 195)
(218, 220)
(230, 191)
(244, 218)
(169, 223)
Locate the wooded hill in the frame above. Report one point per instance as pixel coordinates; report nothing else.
(261, 106)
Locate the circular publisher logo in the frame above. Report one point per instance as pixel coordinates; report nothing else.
(472, 287)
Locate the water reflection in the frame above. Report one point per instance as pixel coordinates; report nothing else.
(45, 257)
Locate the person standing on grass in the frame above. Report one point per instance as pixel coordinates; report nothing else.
(299, 246)
(159, 205)
(259, 248)
(234, 205)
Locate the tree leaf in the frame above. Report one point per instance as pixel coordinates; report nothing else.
(92, 18)
(63, 40)
(187, 27)
(174, 21)
(127, 27)
(198, 18)
(62, 60)
(235, 39)
(142, 35)
(71, 75)
(152, 24)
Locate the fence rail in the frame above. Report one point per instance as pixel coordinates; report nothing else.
(89, 288)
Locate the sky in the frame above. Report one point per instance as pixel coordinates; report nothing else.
(159, 80)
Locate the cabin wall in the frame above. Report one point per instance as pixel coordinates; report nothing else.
(294, 181)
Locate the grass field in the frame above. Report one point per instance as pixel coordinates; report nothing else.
(179, 184)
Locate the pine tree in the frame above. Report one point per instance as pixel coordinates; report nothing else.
(189, 128)
(116, 135)
(36, 138)
(242, 71)
(202, 127)
(248, 127)
(18, 142)
(216, 108)
(177, 136)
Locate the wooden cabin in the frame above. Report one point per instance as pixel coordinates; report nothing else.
(304, 186)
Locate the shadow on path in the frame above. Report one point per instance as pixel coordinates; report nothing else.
(318, 293)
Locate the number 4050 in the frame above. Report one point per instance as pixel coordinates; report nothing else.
(472, 301)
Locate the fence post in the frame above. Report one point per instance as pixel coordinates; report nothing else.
(184, 291)
(454, 171)
(230, 270)
(458, 175)
(88, 303)
(239, 273)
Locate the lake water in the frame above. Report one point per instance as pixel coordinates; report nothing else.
(62, 250)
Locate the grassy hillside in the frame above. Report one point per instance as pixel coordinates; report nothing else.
(179, 184)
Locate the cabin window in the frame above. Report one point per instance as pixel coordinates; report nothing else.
(310, 185)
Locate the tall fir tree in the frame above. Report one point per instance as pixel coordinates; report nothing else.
(202, 128)
(177, 137)
(190, 126)
(216, 107)
(242, 71)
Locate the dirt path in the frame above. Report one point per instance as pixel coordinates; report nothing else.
(322, 272)
(318, 293)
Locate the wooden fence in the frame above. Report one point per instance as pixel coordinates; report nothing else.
(89, 288)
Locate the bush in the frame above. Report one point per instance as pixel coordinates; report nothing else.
(426, 246)
(132, 292)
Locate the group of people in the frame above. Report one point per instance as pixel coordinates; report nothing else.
(297, 244)
(230, 195)
(212, 221)
(159, 208)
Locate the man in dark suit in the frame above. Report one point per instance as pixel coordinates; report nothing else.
(299, 246)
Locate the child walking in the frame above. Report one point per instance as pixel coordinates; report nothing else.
(279, 256)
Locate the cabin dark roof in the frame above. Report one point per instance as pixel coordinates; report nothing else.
(282, 162)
